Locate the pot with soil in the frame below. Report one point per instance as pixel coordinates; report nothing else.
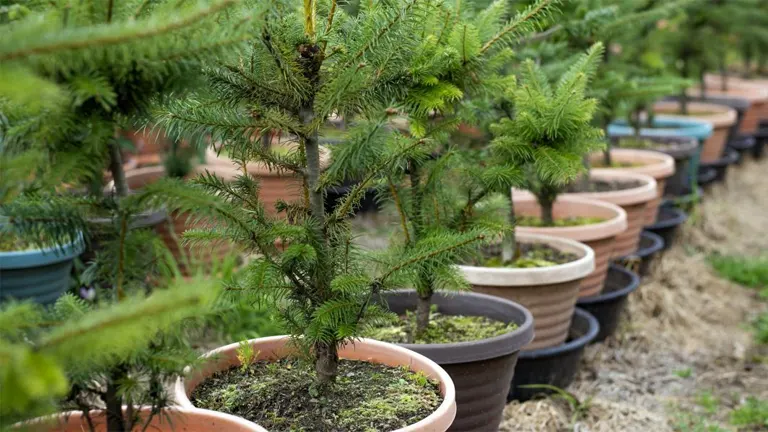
(643, 259)
(169, 420)
(149, 144)
(37, 274)
(594, 223)
(658, 165)
(631, 191)
(547, 289)
(172, 231)
(722, 118)
(381, 386)
(667, 223)
(555, 366)
(681, 149)
(608, 306)
(476, 338)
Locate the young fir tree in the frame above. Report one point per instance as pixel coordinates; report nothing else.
(550, 133)
(80, 70)
(44, 349)
(436, 191)
(302, 66)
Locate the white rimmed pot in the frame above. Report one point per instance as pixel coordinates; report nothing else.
(656, 164)
(721, 117)
(634, 201)
(170, 420)
(549, 293)
(601, 236)
(278, 347)
(756, 95)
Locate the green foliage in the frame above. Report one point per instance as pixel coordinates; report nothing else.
(752, 413)
(45, 352)
(748, 271)
(551, 129)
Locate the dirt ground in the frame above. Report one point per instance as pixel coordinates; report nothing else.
(684, 339)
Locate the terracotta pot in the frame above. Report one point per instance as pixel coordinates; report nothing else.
(277, 347)
(755, 94)
(274, 186)
(171, 232)
(170, 420)
(721, 117)
(550, 293)
(481, 370)
(601, 237)
(682, 150)
(634, 201)
(653, 163)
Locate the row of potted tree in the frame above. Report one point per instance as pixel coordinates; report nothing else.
(478, 129)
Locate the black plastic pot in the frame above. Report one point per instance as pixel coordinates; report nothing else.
(721, 165)
(682, 149)
(641, 261)
(685, 202)
(706, 176)
(334, 195)
(742, 144)
(555, 366)
(668, 221)
(481, 370)
(761, 136)
(609, 305)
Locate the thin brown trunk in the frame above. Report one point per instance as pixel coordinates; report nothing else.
(116, 168)
(546, 212)
(326, 363)
(423, 305)
(509, 242)
(114, 402)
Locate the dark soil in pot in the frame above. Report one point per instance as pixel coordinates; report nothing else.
(555, 366)
(278, 396)
(667, 223)
(721, 165)
(600, 185)
(367, 204)
(608, 306)
(641, 262)
(481, 370)
(681, 149)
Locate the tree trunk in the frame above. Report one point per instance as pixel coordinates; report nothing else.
(423, 305)
(326, 363)
(114, 402)
(607, 152)
(703, 81)
(684, 101)
(509, 242)
(116, 168)
(546, 212)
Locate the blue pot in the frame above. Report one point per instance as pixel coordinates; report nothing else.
(40, 275)
(666, 126)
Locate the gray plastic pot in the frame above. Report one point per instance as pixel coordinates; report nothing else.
(481, 370)
(40, 275)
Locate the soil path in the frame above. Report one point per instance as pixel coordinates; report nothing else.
(685, 338)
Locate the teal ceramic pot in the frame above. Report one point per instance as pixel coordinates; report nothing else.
(666, 127)
(40, 275)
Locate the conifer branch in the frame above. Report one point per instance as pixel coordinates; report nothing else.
(428, 255)
(400, 210)
(517, 22)
(384, 30)
(115, 38)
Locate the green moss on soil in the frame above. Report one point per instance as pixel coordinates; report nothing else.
(442, 329)
(531, 256)
(615, 164)
(533, 221)
(10, 242)
(365, 398)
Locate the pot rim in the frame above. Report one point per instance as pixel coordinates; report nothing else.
(439, 420)
(481, 349)
(722, 116)
(687, 145)
(634, 283)
(573, 345)
(28, 258)
(660, 165)
(594, 231)
(671, 126)
(231, 420)
(657, 245)
(678, 219)
(509, 277)
(645, 192)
